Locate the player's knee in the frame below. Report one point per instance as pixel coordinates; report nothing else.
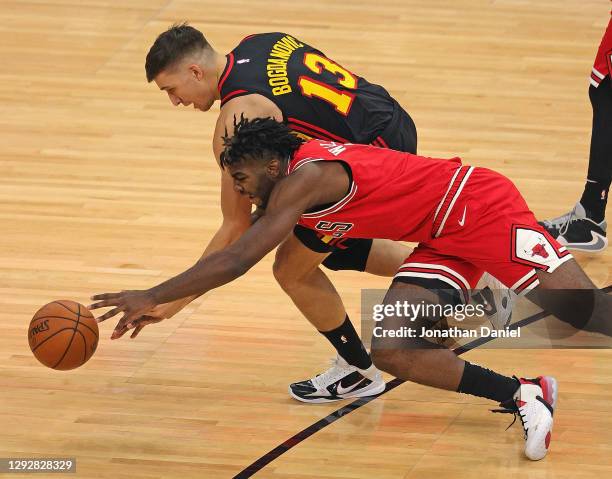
(287, 273)
(576, 307)
(383, 359)
(282, 271)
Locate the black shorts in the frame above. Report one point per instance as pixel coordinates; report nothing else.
(399, 134)
(346, 253)
(352, 253)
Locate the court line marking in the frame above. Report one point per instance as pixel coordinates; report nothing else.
(279, 450)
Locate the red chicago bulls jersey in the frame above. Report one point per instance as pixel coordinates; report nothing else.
(392, 194)
(468, 220)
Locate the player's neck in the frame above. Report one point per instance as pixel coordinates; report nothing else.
(219, 61)
(285, 165)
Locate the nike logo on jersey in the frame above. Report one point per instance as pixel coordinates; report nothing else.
(340, 391)
(243, 60)
(462, 220)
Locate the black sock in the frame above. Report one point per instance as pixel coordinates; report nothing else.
(594, 199)
(485, 383)
(348, 344)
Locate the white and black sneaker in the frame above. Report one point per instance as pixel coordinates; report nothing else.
(575, 230)
(534, 403)
(341, 381)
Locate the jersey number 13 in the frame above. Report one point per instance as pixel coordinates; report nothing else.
(341, 100)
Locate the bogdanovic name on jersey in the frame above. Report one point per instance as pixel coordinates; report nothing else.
(277, 64)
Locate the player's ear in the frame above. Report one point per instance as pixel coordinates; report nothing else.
(196, 71)
(273, 168)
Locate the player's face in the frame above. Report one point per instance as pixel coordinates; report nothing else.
(186, 84)
(255, 180)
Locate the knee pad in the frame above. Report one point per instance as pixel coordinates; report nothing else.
(353, 255)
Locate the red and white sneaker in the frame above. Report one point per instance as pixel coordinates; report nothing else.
(534, 403)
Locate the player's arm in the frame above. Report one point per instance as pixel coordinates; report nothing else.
(289, 199)
(235, 209)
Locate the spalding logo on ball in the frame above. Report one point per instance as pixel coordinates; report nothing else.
(63, 335)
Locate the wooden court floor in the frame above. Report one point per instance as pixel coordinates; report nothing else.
(105, 186)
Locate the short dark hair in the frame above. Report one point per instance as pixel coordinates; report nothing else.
(171, 46)
(259, 138)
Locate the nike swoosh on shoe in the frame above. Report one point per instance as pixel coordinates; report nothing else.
(596, 244)
(340, 390)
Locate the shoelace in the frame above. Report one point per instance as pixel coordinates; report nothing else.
(562, 222)
(332, 372)
(572, 217)
(516, 412)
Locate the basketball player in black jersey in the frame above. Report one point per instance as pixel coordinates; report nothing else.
(276, 75)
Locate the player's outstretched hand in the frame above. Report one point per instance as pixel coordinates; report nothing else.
(168, 310)
(155, 315)
(133, 304)
(136, 325)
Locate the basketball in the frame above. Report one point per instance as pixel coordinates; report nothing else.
(63, 335)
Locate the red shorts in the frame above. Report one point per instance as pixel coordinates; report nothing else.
(484, 224)
(603, 60)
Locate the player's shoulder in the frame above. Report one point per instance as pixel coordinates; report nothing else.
(251, 105)
(325, 147)
(257, 39)
(312, 150)
(308, 149)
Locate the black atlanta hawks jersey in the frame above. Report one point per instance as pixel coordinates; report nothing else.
(318, 97)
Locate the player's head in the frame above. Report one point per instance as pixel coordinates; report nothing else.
(182, 63)
(257, 156)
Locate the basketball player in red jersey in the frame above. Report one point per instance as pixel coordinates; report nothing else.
(277, 75)
(584, 227)
(466, 219)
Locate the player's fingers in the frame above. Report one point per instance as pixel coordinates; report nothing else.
(121, 328)
(105, 296)
(109, 314)
(141, 323)
(145, 319)
(102, 304)
(137, 330)
(118, 332)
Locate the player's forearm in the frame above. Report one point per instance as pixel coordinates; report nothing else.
(208, 273)
(227, 234)
(224, 237)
